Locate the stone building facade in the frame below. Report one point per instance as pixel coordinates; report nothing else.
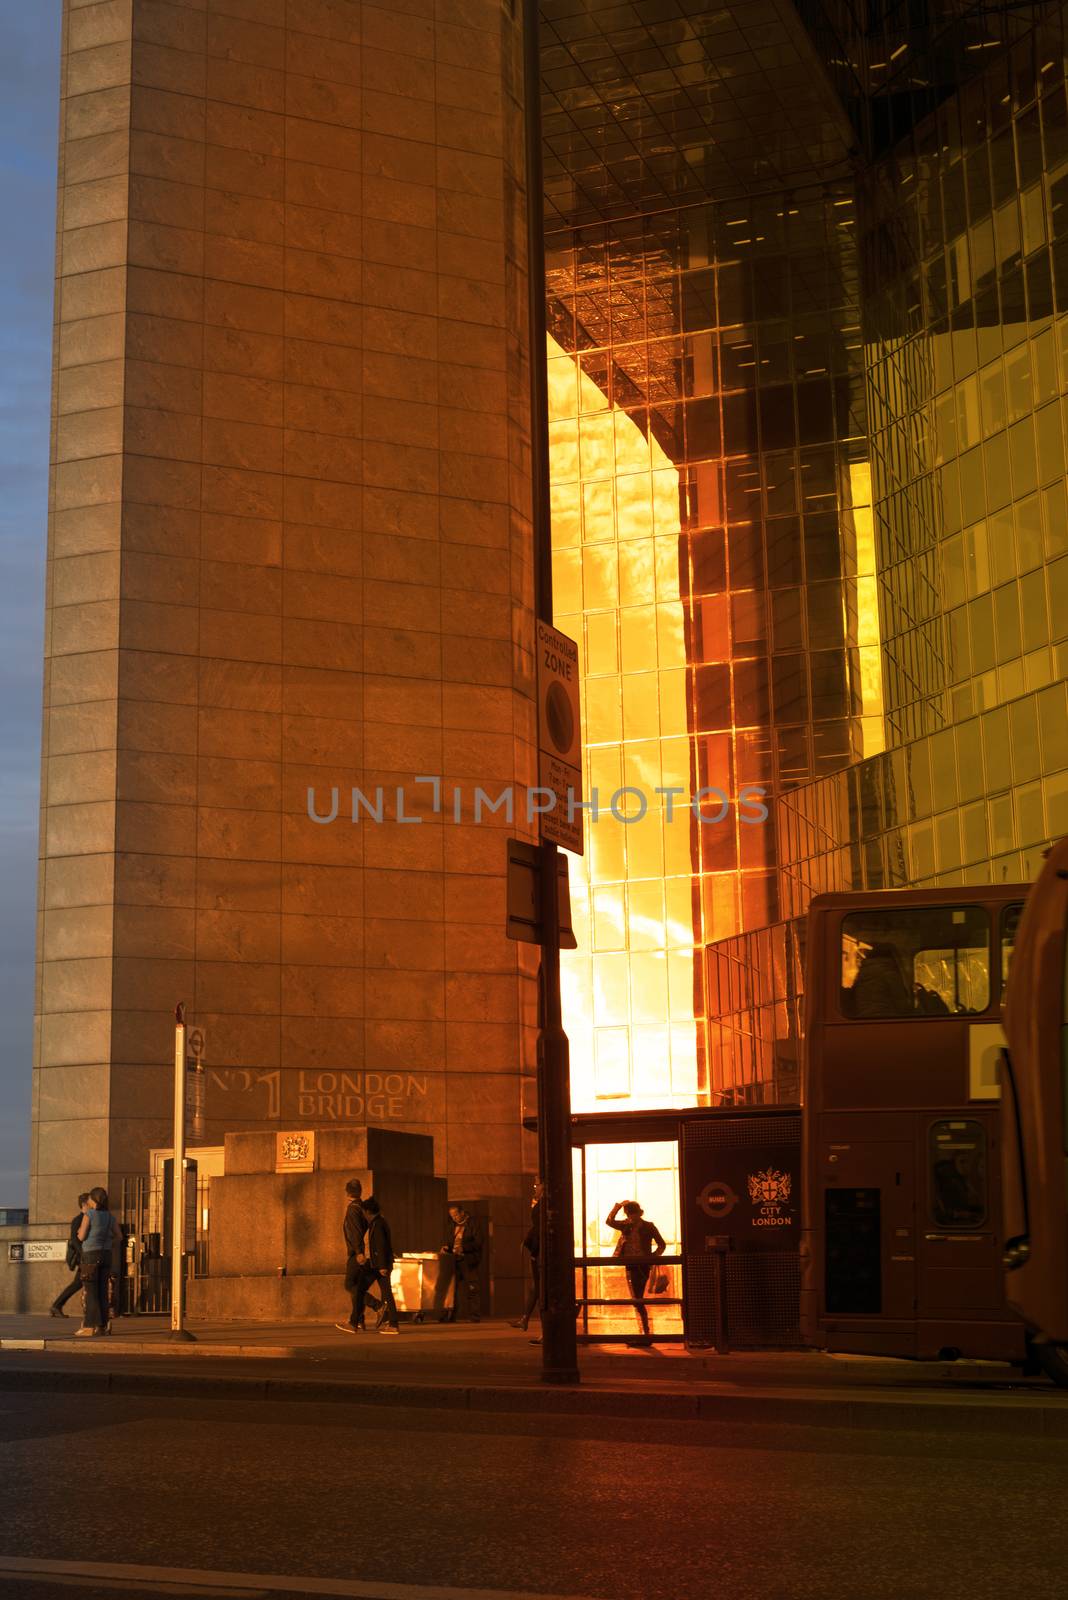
(289, 550)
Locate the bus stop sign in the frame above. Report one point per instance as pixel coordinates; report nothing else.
(752, 1193)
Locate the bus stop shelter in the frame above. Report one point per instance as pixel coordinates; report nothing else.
(723, 1187)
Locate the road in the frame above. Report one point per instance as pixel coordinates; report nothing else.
(432, 1501)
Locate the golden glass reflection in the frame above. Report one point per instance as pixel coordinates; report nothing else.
(628, 989)
(869, 643)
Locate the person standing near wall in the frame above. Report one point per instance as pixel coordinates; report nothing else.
(532, 1246)
(463, 1249)
(74, 1260)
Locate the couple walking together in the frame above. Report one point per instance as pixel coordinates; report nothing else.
(94, 1255)
(370, 1262)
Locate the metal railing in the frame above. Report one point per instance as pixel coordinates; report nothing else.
(619, 1313)
(145, 1288)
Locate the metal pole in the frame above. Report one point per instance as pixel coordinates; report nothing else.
(178, 1329)
(559, 1347)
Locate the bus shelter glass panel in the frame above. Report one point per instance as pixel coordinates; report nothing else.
(626, 1287)
(923, 961)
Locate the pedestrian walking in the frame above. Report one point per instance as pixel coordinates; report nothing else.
(354, 1228)
(638, 1245)
(114, 1267)
(74, 1258)
(96, 1234)
(532, 1246)
(379, 1245)
(463, 1250)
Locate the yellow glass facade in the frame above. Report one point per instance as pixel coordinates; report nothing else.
(714, 557)
(629, 987)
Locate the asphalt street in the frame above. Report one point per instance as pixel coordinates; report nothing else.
(605, 1508)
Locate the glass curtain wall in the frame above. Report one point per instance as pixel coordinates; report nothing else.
(714, 557)
(964, 242)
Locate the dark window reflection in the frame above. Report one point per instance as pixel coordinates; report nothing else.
(957, 1156)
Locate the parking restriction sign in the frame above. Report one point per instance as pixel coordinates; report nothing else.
(559, 736)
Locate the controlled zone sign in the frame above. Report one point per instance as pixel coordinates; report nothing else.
(559, 737)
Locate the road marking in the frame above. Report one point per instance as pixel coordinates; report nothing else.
(256, 1582)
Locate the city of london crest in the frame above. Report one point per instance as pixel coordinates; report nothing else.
(769, 1188)
(294, 1152)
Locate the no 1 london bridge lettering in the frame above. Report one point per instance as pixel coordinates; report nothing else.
(336, 1096)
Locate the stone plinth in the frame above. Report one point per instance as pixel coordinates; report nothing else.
(268, 1224)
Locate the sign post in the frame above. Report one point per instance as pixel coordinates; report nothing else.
(178, 1328)
(559, 1344)
(524, 896)
(559, 736)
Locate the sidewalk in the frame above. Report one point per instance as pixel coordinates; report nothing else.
(493, 1367)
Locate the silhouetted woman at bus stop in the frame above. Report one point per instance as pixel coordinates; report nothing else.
(638, 1243)
(97, 1235)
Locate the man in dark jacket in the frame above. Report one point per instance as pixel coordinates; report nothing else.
(463, 1249)
(74, 1260)
(379, 1245)
(357, 1277)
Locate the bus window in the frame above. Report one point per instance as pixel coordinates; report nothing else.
(957, 1153)
(924, 961)
(1010, 921)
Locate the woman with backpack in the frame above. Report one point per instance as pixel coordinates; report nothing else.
(97, 1236)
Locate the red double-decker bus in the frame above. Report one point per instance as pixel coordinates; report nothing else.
(902, 1209)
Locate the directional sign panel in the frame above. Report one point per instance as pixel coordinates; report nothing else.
(37, 1250)
(559, 735)
(524, 896)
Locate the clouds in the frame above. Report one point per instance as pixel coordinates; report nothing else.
(29, 111)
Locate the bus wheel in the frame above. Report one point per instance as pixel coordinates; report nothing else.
(1054, 1361)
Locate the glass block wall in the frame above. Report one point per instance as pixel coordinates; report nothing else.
(714, 556)
(964, 244)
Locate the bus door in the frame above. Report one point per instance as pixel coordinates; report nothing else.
(958, 1245)
(868, 1184)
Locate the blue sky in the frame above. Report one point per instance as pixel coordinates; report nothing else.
(29, 110)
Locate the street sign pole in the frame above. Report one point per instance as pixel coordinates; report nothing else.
(559, 1347)
(178, 1329)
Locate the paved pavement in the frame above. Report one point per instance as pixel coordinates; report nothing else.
(223, 1497)
(495, 1349)
(493, 1367)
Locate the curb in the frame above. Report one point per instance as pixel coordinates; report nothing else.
(1019, 1416)
(130, 1347)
